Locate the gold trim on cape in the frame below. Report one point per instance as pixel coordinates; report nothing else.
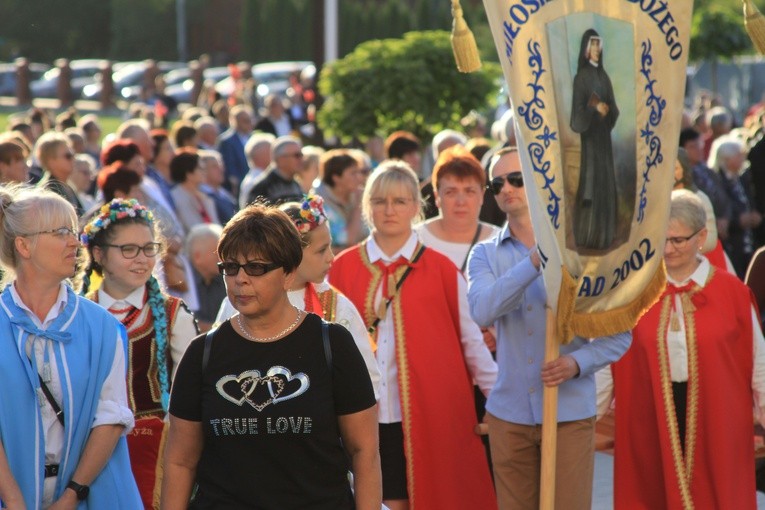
(683, 463)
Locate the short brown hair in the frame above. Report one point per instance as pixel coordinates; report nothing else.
(400, 143)
(11, 151)
(458, 162)
(334, 163)
(259, 231)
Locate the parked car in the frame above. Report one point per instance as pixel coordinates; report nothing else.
(172, 77)
(181, 92)
(83, 73)
(271, 77)
(8, 76)
(129, 77)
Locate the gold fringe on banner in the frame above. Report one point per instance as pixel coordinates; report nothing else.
(566, 301)
(590, 325)
(755, 25)
(463, 42)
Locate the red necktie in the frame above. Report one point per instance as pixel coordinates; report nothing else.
(671, 291)
(389, 275)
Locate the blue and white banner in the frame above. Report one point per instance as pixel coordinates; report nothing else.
(597, 87)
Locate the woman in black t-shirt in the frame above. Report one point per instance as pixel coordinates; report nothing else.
(259, 426)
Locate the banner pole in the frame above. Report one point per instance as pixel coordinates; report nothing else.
(549, 421)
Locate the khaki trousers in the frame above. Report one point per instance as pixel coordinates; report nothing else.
(516, 456)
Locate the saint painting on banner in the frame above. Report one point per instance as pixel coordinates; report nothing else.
(593, 70)
(593, 116)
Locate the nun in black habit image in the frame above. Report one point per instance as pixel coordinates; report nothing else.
(593, 116)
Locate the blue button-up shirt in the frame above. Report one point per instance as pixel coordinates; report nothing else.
(507, 291)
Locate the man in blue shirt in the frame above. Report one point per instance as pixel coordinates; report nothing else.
(506, 291)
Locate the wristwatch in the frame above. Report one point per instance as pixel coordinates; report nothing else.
(82, 491)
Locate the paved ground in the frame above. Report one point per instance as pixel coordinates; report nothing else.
(602, 494)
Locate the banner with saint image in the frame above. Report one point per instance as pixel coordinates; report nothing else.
(597, 87)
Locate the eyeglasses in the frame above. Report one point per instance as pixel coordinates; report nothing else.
(679, 242)
(251, 268)
(60, 232)
(514, 179)
(296, 155)
(397, 202)
(131, 251)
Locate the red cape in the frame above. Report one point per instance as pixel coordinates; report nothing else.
(446, 463)
(716, 471)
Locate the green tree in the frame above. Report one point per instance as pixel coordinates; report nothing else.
(410, 83)
(717, 32)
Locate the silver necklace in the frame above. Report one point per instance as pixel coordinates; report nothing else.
(270, 338)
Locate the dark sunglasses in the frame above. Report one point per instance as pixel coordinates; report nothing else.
(251, 268)
(514, 179)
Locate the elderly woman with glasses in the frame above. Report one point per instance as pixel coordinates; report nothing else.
(64, 410)
(684, 391)
(274, 392)
(124, 244)
(414, 302)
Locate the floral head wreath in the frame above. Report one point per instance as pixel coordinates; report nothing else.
(311, 213)
(112, 212)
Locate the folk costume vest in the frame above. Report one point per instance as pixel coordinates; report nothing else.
(446, 463)
(83, 336)
(715, 471)
(146, 441)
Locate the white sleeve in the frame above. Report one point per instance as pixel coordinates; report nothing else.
(226, 311)
(758, 370)
(604, 385)
(348, 317)
(478, 359)
(184, 331)
(112, 408)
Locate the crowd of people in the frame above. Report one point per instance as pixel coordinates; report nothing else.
(223, 315)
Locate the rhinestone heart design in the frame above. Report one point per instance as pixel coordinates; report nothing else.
(248, 382)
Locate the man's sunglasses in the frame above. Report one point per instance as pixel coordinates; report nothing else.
(251, 268)
(514, 179)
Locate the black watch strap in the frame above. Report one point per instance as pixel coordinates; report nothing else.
(82, 491)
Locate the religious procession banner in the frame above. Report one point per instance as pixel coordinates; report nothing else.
(597, 87)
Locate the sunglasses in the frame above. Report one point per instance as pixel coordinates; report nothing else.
(514, 179)
(251, 268)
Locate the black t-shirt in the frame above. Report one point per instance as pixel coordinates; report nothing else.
(269, 417)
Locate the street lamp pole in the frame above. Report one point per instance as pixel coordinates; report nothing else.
(331, 30)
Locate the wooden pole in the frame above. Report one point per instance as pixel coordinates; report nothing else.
(549, 421)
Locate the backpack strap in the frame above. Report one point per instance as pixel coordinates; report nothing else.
(208, 344)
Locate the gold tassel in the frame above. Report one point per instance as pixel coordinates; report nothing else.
(463, 42)
(755, 25)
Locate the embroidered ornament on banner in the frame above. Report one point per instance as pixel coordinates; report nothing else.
(598, 88)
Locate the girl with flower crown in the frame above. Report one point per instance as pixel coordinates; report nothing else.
(310, 291)
(123, 244)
